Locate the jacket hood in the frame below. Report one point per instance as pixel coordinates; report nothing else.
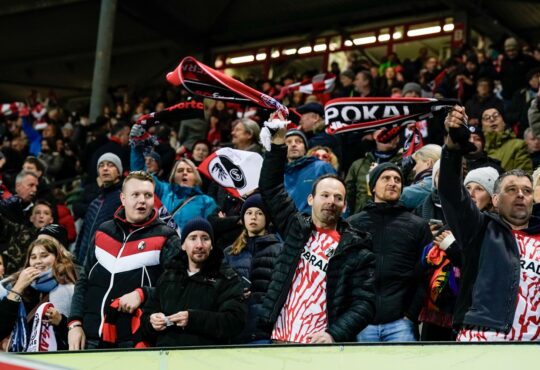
(120, 215)
(300, 162)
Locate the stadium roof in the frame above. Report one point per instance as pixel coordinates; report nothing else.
(51, 43)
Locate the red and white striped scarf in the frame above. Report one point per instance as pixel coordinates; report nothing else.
(321, 83)
(42, 337)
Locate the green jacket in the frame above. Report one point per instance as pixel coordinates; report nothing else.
(512, 152)
(356, 182)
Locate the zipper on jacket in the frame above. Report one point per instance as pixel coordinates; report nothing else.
(92, 269)
(113, 273)
(92, 232)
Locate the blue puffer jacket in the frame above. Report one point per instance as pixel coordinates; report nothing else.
(414, 195)
(255, 263)
(300, 176)
(172, 195)
(100, 210)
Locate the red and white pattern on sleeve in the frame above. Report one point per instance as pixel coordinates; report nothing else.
(527, 317)
(304, 312)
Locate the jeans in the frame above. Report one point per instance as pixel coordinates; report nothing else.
(402, 330)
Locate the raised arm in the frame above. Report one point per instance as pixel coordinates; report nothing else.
(272, 187)
(462, 215)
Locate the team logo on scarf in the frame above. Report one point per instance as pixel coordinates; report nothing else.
(203, 81)
(42, 337)
(370, 114)
(236, 170)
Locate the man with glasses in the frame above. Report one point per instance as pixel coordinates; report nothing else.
(501, 143)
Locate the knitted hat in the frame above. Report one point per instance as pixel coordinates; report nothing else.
(412, 86)
(113, 158)
(197, 224)
(485, 176)
(255, 200)
(155, 156)
(375, 173)
(298, 133)
(56, 231)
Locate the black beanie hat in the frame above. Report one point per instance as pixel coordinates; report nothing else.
(56, 231)
(299, 134)
(255, 200)
(375, 173)
(197, 224)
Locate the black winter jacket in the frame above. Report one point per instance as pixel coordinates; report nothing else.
(349, 290)
(256, 263)
(213, 298)
(491, 261)
(122, 257)
(398, 240)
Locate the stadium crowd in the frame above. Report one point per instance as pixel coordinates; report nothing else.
(111, 238)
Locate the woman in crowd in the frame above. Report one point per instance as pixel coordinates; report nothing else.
(253, 256)
(48, 276)
(479, 183)
(326, 154)
(201, 151)
(181, 195)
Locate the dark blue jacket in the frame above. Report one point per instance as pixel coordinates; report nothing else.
(100, 210)
(255, 263)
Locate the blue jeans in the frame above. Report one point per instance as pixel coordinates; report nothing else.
(402, 330)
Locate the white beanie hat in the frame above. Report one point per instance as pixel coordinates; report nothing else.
(114, 159)
(485, 176)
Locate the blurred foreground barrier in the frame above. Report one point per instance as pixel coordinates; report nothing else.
(327, 357)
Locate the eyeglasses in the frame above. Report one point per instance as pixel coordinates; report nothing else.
(492, 117)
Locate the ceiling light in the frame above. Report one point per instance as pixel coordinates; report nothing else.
(260, 56)
(424, 31)
(304, 50)
(448, 27)
(348, 43)
(275, 54)
(319, 47)
(397, 35)
(365, 40)
(289, 51)
(242, 59)
(384, 37)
